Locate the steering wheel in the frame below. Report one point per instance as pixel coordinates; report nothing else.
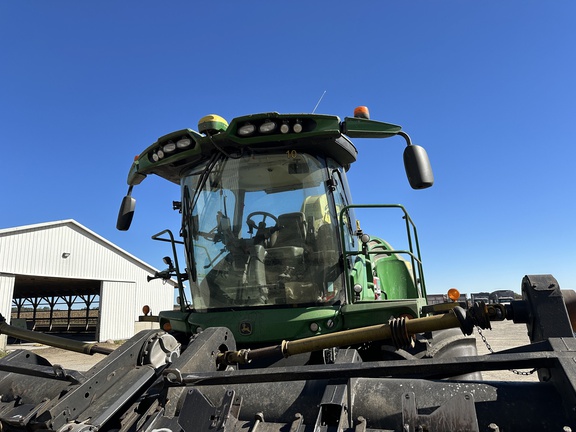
(252, 225)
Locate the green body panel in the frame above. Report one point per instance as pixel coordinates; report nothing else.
(252, 326)
(358, 276)
(368, 313)
(143, 166)
(177, 320)
(394, 272)
(272, 325)
(395, 279)
(318, 127)
(364, 128)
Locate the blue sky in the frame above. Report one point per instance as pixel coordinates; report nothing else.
(488, 88)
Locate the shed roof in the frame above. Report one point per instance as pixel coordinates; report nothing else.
(72, 222)
(26, 283)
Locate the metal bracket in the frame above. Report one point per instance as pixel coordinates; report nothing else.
(199, 415)
(456, 414)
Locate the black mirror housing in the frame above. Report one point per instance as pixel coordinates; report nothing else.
(418, 167)
(126, 213)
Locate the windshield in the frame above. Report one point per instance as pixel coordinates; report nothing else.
(261, 230)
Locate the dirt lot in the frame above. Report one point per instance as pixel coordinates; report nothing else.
(503, 335)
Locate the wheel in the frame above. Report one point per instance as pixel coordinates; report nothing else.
(252, 225)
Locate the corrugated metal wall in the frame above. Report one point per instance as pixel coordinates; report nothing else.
(6, 292)
(39, 250)
(113, 307)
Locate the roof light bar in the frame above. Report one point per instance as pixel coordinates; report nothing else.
(267, 127)
(247, 129)
(169, 147)
(183, 143)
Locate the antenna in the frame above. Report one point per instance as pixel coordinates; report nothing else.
(319, 100)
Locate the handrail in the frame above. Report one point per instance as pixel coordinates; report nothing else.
(173, 242)
(413, 244)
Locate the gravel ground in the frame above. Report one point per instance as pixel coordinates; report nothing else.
(504, 335)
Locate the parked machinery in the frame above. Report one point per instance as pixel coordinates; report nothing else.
(298, 320)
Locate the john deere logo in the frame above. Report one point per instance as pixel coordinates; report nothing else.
(245, 328)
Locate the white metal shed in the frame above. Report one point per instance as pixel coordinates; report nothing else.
(65, 258)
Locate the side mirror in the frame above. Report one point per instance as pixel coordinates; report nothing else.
(126, 213)
(418, 168)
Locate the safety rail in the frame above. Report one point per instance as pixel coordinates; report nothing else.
(412, 237)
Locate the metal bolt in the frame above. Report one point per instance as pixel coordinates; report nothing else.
(493, 427)
(258, 418)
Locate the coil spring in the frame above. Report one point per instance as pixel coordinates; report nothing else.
(400, 336)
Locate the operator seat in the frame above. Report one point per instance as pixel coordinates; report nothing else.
(288, 247)
(288, 263)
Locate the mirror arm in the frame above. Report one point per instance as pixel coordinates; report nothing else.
(406, 137)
